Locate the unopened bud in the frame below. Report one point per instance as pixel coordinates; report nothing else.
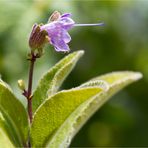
(21, 84)
(54, 16)
(38, 38)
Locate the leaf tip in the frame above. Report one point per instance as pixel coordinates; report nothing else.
(81, 52)
(137, 75)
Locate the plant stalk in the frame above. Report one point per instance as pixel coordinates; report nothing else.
(29, 91)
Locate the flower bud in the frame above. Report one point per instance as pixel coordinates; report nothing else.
(38, 38)
(55, 16)
(21, 84)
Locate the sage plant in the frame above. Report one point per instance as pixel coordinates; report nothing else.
(55, 32)
(54, 116)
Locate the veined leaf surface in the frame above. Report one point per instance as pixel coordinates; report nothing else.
(63, 135)
(53, 79)
(55, 111)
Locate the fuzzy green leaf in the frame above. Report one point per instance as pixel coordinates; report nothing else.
(13, 116)
(70, 127)
(55, 111)
(50, 113)
(53, 79)
(4, 140)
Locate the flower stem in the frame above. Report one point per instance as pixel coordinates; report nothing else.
(29, 91)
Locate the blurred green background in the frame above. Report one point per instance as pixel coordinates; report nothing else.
(122, 44)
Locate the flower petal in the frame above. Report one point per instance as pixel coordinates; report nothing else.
(67, 23)
(59, 45)
(66, 37)
(66, 15)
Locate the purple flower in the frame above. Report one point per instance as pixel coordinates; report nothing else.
(57, 31)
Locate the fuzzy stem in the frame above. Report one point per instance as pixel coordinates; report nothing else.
(29, 91)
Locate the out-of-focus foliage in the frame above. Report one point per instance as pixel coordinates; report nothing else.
(13, 118)
(120, 45)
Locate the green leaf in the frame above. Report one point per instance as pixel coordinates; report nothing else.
(48, 115)
(66, 132)
(13, 116)
(95, 83)
(55, 111)
(4, 140)
(53, 79)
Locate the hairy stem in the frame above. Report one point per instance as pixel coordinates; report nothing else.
(29, 91)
